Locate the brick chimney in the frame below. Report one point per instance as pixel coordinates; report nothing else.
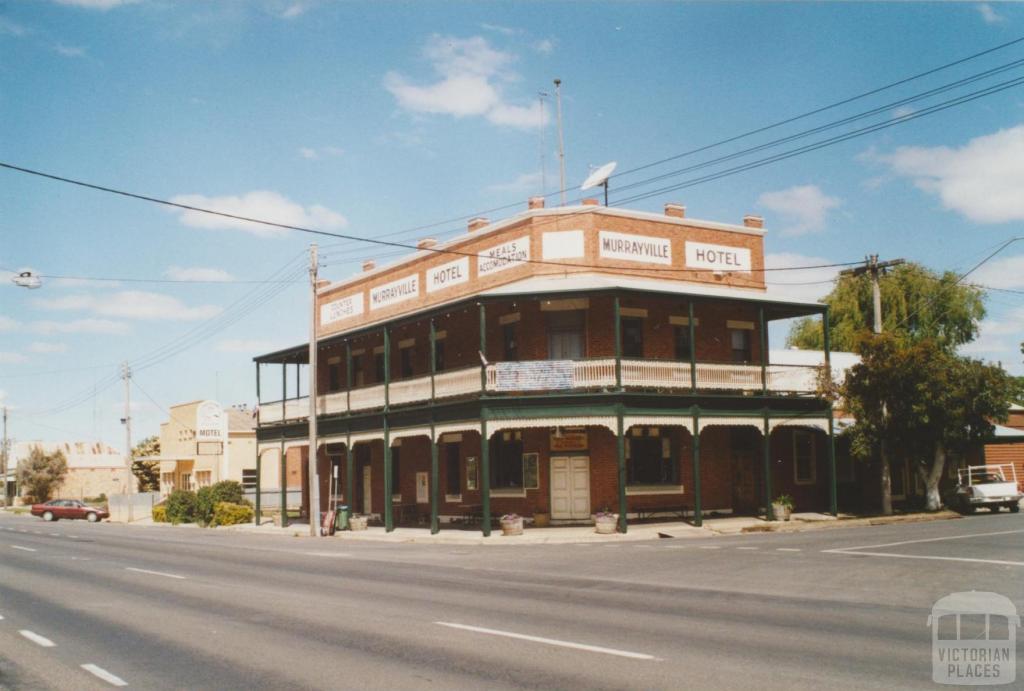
(426, 243)
(369, 265)
(675, 210)
(753, 221)
(477, 223)
(590, 201)
(535, 203)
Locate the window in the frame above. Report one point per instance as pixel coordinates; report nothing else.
(167, 482)
(405, 357)
(684, 348)
(649, 459)
(740, 339)
(396, 464)
(531, 471)
(358, 371)
(472, 473)
(204, 478)
(334, 374)
(378, 366)
(632, 337)
(453, 484)
(186, 481)
(249, 478)
(804, 472)
(439, 356)
(507, 461)
(508, 335)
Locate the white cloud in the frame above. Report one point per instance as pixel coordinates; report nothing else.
(44, 347)
(472, 75)
(131, 304)
(261, 204)
(527, 182)
(91, 326)
(795, 283)
(981, 180)
(69, 51)
(9, 358)
(804, 208)
(11, 28)
(308, 153)
(96, 4)
(903, 111)
(999, 340)
(312, 154)
(8, 324)
(545, 46)
(497, 28)
(246, 346)
(294, 10)
(1001, 273)
(197, 273)
(988, 13)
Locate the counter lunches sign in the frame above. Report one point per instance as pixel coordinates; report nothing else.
(700, 255)
(635, 248)
(503, 256)
(397, 291)
(447, 275)
(345, 308)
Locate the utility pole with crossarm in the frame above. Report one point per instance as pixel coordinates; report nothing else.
(875, 268)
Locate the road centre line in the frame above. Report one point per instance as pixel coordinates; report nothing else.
(103, 674)
(154, 573)
(37, 639)
(930, 539)
(24, 549)
(924, 556)
(787, 549)
(550, 641)
(710, 547)
(750, 548)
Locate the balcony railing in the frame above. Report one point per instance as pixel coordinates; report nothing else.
(555, 375)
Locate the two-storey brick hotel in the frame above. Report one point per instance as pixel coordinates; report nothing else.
(557, 363)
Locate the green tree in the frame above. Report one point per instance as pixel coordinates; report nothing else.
(916, 302)
(42, 473)
(918, 400)
(147, 473)
(207, 498)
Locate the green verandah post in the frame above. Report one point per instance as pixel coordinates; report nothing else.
(350, 476)
(389, 483)
(435, 477)
(485, 475)
(621, 450)
(698, 516)
(767, 435)
(259, 484)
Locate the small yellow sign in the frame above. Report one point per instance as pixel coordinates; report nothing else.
(569, 439)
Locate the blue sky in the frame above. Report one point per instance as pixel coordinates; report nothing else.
(375, 118)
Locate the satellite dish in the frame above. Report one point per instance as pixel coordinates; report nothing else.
(599, 176)
(27, 279)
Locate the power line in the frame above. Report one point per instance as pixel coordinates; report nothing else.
(123, 279)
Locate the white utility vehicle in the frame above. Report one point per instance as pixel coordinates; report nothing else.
(990, 486)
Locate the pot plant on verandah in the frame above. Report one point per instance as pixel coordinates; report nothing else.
(511, 524)
(605, 522)
(782, 507)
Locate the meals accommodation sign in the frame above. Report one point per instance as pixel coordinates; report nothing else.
(394, 292)
(635, 248)
(503, 256)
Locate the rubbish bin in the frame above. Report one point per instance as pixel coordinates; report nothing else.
(341, 518)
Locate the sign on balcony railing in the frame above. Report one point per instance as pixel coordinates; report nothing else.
(536, 375)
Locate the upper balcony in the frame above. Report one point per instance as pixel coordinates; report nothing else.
(554, 376)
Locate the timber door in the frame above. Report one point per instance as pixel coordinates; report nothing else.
(367, 490)
(565, 335)
(570, 487)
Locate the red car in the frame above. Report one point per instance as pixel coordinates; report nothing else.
(68, 508)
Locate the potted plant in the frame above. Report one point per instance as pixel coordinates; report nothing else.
(511, 524)
(541, 519)
(357, 522)
(782, 507)
(606, 522)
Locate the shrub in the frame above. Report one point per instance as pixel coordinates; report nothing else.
(207, 499)
(181, 506)
(226, 513)
(160, 514)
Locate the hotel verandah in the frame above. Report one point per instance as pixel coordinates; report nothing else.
(611, 359)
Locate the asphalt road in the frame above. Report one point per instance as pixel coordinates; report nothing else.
(91, 606)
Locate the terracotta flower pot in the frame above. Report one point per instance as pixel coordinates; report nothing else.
(512, 526)
(781, 511)
(606, 525)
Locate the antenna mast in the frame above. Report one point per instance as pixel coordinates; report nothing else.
(541, 95)
(561, 142)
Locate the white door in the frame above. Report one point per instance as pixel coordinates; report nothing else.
(422, 488)
(367, 490)
(570, 487)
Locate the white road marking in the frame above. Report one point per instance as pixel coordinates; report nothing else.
(931, 539)
(154, 573)
(104, 675)
(23, 549)
(924, 556)
(73, 537)
(750, 548)
(37, 639)
(675, 546)
(710, 547)
(787, 549)
(22, 531)
(550, 641)
(54, 534)
(328, 554)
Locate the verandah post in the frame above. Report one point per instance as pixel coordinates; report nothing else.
(433, 356)
(284, 487)
(485, 475)
(350, 476)
(259, 486)
(693, 350)
(698, 516)
(483, 349)
(618, 343)
(833, 488)
(621, 451)
(435, 476)
(389, 522)
(769, 513)
(764, 350)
